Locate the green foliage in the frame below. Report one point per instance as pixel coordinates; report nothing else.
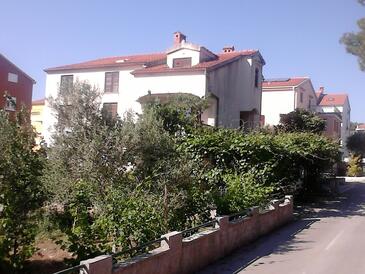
(356, 143)
(301, 120)
(354, 168)
(124, 181)
(277, 161)
(164, 169)
(87, 146)
(130, 218)
(180, 114)
(244, 191)
(355, 42)
(22, 193)
(82, 239)
(129, 173)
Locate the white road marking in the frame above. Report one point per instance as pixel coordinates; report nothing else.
(333, 241)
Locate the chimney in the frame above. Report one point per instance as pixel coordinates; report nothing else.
(321, 90)
(228, 49)
(178, 38)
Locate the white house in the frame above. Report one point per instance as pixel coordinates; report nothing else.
(231, 80)
(336, 102)
(360, 128)
(281, 96)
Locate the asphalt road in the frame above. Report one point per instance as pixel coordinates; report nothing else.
(330, 240)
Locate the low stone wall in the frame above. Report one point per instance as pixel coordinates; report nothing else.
(189, 255)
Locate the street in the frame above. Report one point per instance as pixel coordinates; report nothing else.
(331, 239)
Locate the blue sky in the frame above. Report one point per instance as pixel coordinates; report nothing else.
(296, 38)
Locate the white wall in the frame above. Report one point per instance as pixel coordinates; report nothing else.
(234, 84)
(345, 127)
(275, 103)
(130, 89)
(96, 78)
(193, 83)
(184, 53)
(283, 101)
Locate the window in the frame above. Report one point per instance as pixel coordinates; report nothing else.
(301, 97)
(110, 109)
(67, 81)
(10, 103)
(182, 62)
(12, 77)
(111, 82)
(257, 78)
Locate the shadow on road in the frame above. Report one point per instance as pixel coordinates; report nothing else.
(348, 204)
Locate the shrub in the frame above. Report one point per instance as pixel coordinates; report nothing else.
(354, 168)
(243, 191)
(22, 193)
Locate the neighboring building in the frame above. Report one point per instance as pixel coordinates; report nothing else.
(37, 118)
(281, 96)
(360, 127)
(16, 87)
(336, 103)
(333, 125)
(231, 80)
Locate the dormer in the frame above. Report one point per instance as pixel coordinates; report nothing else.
(184, 54)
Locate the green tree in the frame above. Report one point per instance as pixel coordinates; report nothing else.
(121, 181)
(181, 113)
(89, 157)
(87, 145)
(355, 42)
(301, 120)
(356, 143)
(22, 193)
(164, 168)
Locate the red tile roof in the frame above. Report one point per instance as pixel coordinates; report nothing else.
(360, 127)
(289, 82)
(208, 65)
(155, 63)
(38, 102)
(333, 100)
(117, 61)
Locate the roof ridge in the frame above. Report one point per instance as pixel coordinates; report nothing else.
(22, 71)
(338, 94)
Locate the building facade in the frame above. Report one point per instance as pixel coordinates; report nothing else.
(333, 125)
(281, 96)
(333, 103)
(37, 118)
(360, 128)
(16, 87)
(230, 80)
